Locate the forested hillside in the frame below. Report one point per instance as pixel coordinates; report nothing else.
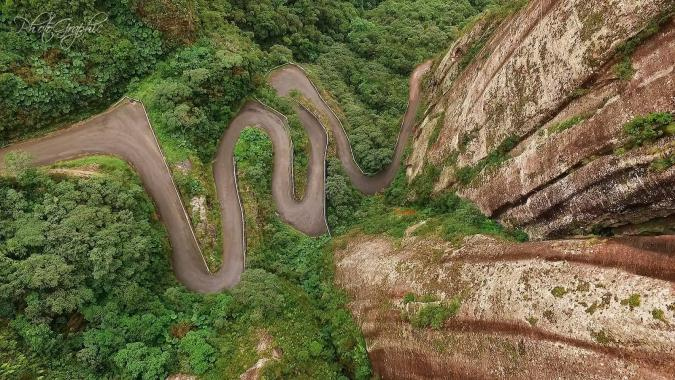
(86, 289)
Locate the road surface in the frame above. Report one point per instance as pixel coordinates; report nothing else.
(124, 131)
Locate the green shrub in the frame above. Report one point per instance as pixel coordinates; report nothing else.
(434, 316)
(422, 186)
(475, 48)
(602, 336)
(199, 352)
(436, 132)
(646, 129)
(466, 174)
(658, 314)
(495, 158)
(663, 164)
(628, 48)
(632, 301)
(188, 184)
(624, 70)
(496, 12)
(559, 291)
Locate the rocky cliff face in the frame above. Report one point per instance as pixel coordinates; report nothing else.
(569, 309)
(557, 119)
(527, 116)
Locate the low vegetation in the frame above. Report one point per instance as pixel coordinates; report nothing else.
(434, 316)
(495, 13)
(564, 125)
(602, 336)
(559, 291)
(532, 321)
(644, 130)
(436, 131)
(632, 301)
(624, 68)
(432, 312)
(663, 164)
(659, 315)
(494, 159)
(446, 216)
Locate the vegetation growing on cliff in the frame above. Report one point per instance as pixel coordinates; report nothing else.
(435, 315)
(643, 130)
(496, 12)
(624, 68)
(444, 215)
(566, 124)
(465, 175)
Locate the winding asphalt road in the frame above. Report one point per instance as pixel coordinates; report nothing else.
(124, 131)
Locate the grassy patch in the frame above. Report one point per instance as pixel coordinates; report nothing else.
(492, 17)
(628, 48)
(101, 164)
(436, 132)
(559, 291)
(632, 301)
(643, 130)
(475, 48)
(624, 69)
(494, 159)
(592, 309)
(603, 337)
(659, 314)
(447, 216)
(663, 164)
(564, 125)
(420, 190)
(435, 315)
(580, 92)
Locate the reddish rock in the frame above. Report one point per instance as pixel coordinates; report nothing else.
(548, 63)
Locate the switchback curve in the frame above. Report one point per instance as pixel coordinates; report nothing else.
(124, 131)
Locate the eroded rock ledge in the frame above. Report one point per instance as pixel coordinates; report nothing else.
(550, 63)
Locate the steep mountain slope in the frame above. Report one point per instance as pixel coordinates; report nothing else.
(557, 119)
(527, 117)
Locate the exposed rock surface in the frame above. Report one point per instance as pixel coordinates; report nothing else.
(181, 376)
(550, 62)
(566, 309)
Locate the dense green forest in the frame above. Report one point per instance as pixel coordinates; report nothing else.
(86, 289)
(87, 292)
